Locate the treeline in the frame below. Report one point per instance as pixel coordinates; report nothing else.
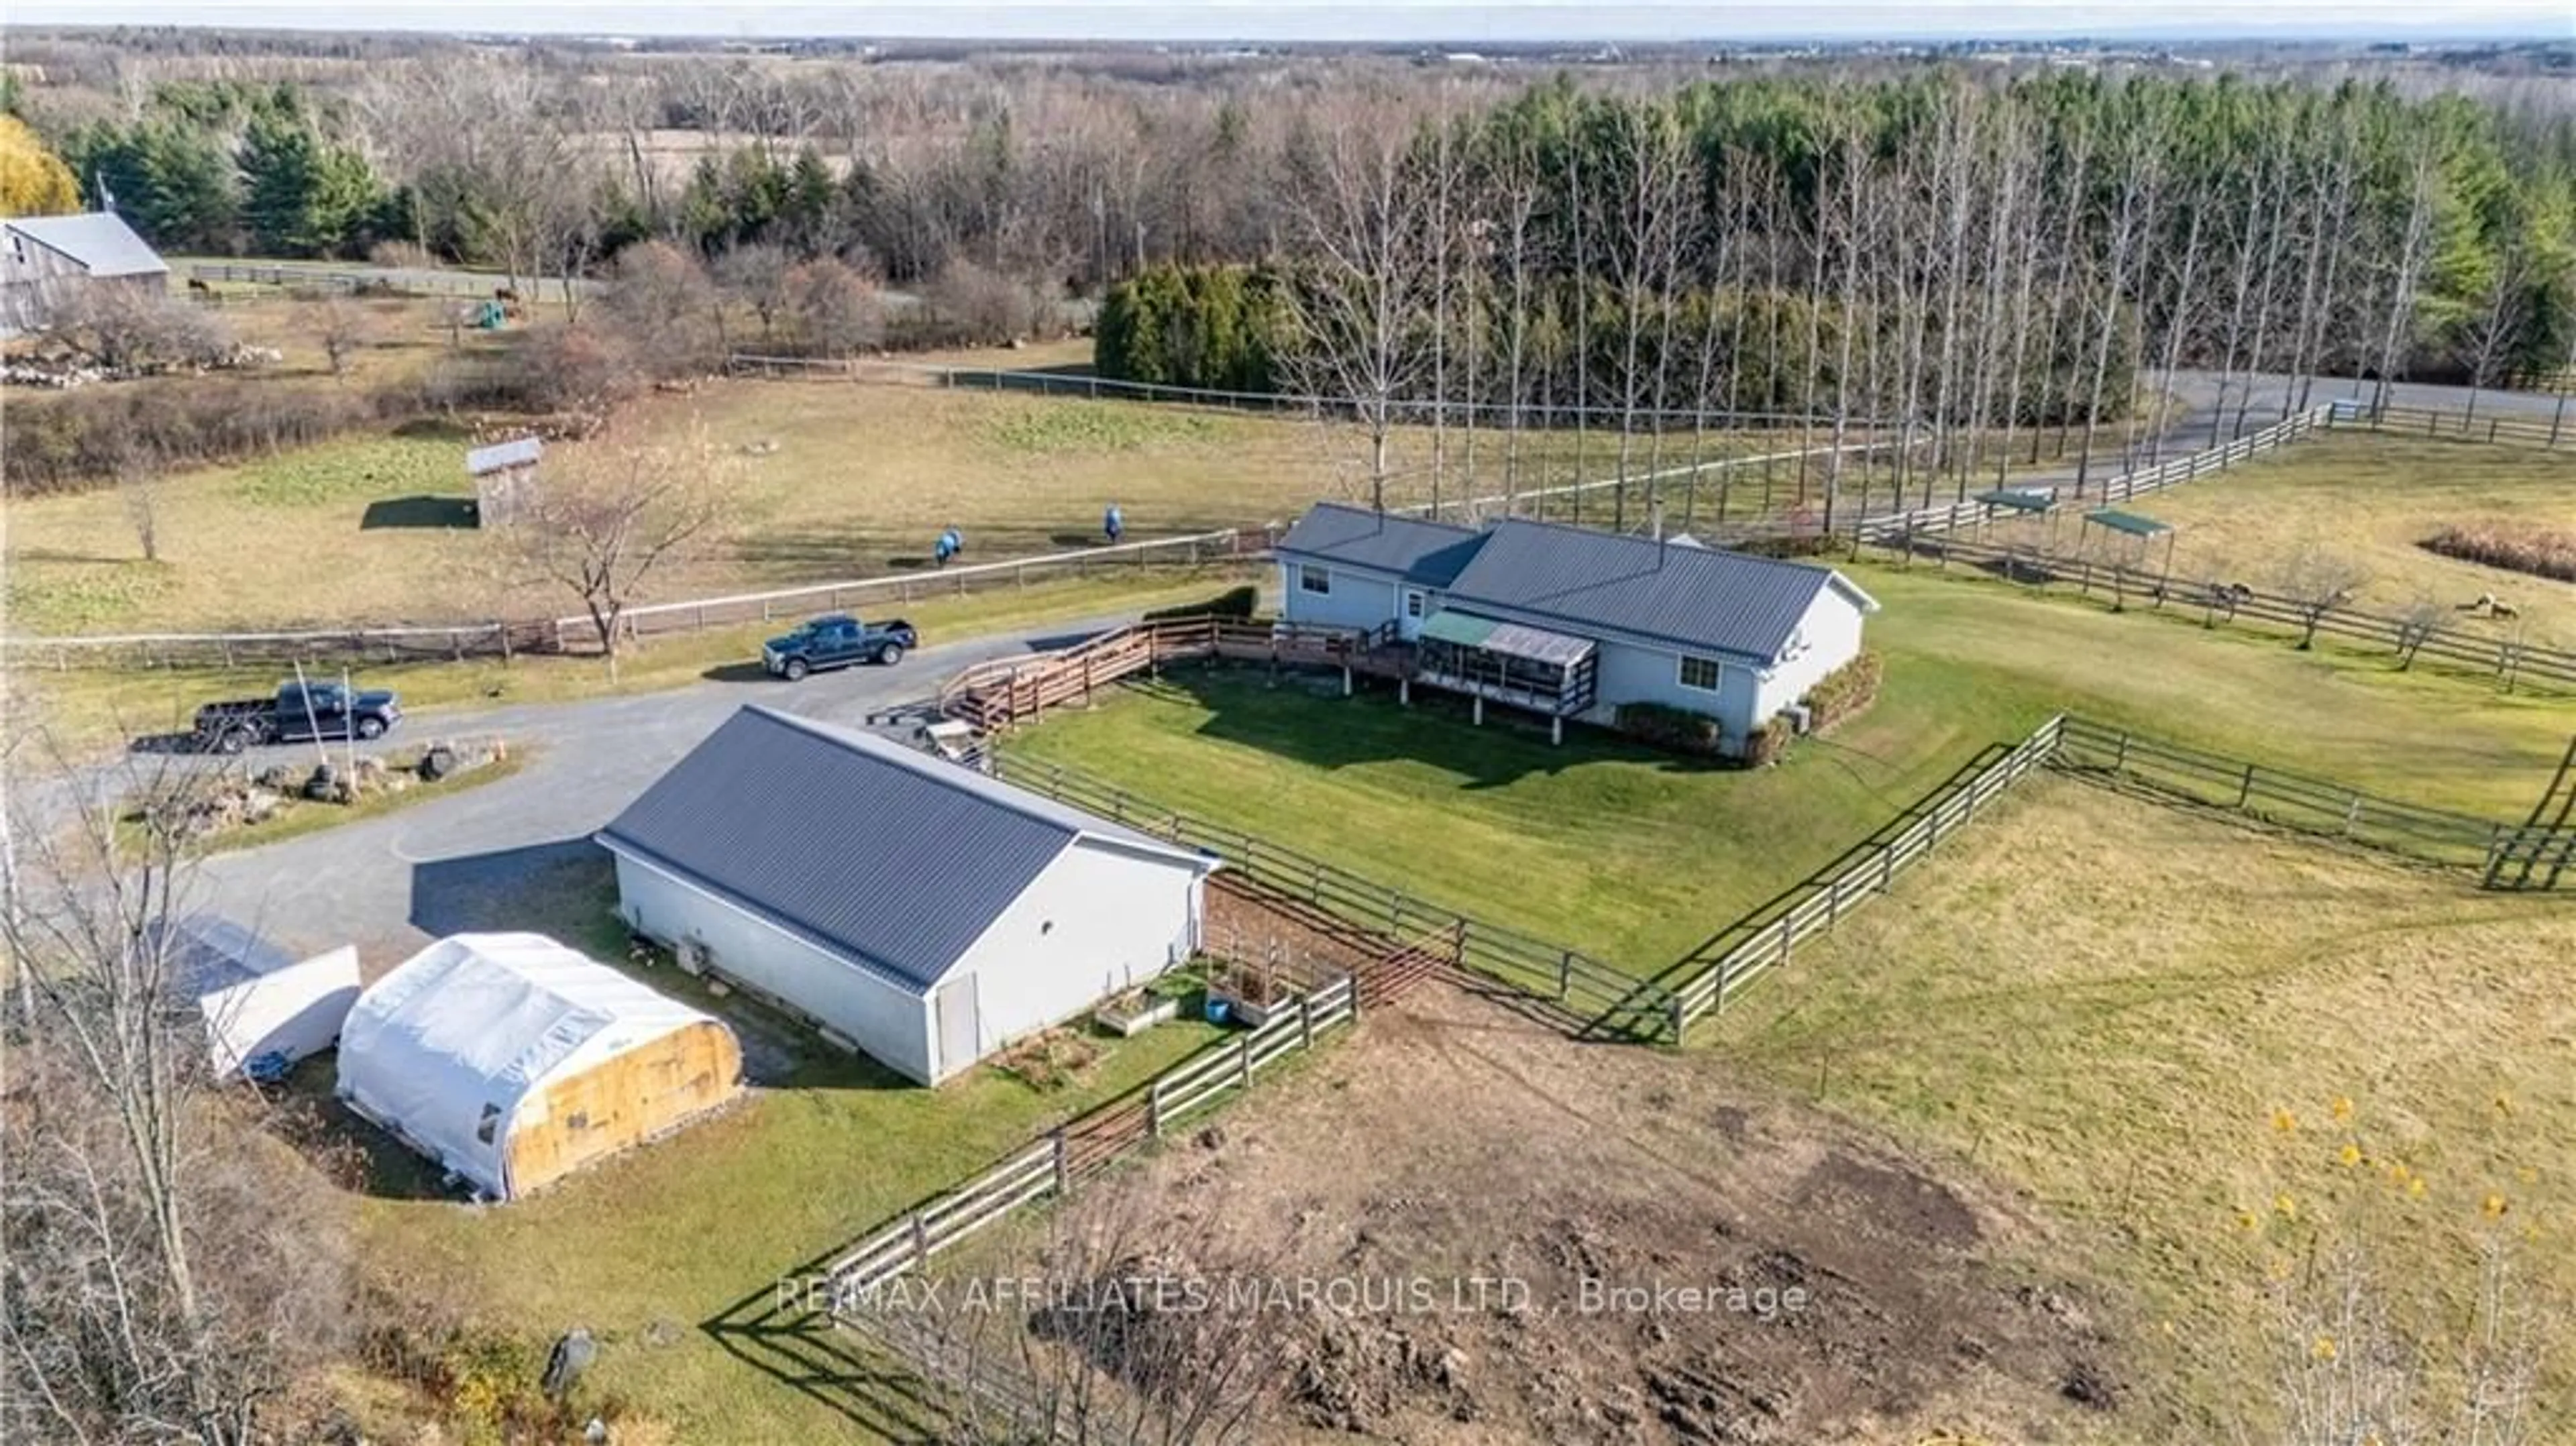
(1925, 258)
(226, 168)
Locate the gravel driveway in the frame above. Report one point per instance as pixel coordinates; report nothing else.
(474, 860)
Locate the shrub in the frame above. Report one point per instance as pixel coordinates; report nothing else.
(1236, 602)
(89, 438)
(1802, 544)
(1844, 692)
(2540, 551)
(1764, 745)
(1665, 726)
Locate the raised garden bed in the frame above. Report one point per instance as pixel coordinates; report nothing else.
(1136, 1011)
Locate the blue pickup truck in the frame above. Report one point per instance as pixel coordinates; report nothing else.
(837, 640)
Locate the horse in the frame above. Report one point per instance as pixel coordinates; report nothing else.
(508, 294)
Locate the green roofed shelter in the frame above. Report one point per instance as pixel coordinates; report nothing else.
(2019, 499)
(2129, 523)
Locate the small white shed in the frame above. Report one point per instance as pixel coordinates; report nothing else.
(919, 910)
(254, 998)
(513, 1060)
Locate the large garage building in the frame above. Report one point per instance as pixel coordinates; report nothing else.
(921, 911)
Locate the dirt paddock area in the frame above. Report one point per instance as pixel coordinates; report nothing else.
(1458, 1225)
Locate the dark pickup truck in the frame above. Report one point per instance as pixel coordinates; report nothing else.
(836, 641)
(299, 711)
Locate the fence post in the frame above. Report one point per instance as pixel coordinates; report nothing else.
(1061, 1183)
(920, 1241)
(1564, 976)
(2245, 788)
(1154, 1110)
(1305, 1025)
(2352, 814)
(1243, 1057)
(1681, 1023)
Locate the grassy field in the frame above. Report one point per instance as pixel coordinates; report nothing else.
(648, 1246)
(88, 709)
(836, 480)
(1638, 857)
(2372, 499)
(2168, 1030)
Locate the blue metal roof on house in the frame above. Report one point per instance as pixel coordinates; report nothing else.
(100, 241)
(1430, 553)
(1695, 597)
(882, 854)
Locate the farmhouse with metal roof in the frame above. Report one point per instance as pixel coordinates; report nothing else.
(1571, 622)
(917, 909)
(45, 261)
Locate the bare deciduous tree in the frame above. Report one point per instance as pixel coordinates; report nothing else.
(2416, 626)
(836, 310)
(343, 327)
(2316, 581)
(171, 1268)
(756, 276)
(606, 520)
(1357, 304)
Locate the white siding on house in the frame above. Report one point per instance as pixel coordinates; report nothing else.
(1832, 629)
(1100, 919)
(1358, 599)
(893, 1026)
(1635, 673)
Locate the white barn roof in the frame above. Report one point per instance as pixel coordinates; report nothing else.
(101, 242)
(477, 1023)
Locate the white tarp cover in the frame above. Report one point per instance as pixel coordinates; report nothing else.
(472, 1027)
(256, 998)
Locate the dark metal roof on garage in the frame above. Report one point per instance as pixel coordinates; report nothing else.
(884, 855)
(1429, 553)
(1702, 598)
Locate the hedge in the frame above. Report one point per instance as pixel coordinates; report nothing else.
(1668, 727)
(1844, 693)
(1235, 602)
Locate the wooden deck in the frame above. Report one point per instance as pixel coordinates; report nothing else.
(996, 695)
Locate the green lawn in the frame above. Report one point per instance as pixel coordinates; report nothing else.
(649, 1246)
(2145, 1019)
(1637, 857)
(2370, 499)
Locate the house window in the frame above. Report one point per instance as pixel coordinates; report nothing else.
(1699, 673)
(1311, 578)
(1797, 644)
(1413, 604)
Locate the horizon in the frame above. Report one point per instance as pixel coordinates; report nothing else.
(1393, 22)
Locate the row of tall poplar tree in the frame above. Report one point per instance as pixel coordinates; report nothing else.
(1960, 266)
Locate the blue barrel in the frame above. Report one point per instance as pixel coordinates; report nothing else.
(1218, 1011)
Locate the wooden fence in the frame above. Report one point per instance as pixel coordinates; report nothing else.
(2288, 800)
(506, 640)
(1406, 411)
(1900, 529)
(998, 694)
(1589, 993)
(1051, 1166)
(2512, 662)
(2521, 429)
(1826, 902)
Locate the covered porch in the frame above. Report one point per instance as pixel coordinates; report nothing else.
(1551, 674)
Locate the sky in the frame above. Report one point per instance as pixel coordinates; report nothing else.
(1381, 22)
